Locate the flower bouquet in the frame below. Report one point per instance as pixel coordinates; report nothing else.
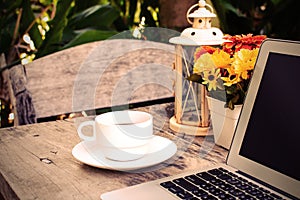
(227, 71)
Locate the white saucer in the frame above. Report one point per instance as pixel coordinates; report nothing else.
(160, 149)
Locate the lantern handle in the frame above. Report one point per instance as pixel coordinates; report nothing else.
(201, 4)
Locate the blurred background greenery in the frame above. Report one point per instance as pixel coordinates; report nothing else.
(34, 28)
(30, 29)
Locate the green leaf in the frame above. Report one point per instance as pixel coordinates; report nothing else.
(81, 5)
(229, 7)
(132, 9)
(276, 2)
(8, 18)
(230, 105)
(53, 40)
(9, 7)
(195, 78)
(27, 19)
(98, 16)
(86, 36)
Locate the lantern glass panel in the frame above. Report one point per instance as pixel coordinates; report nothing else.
(190, 103)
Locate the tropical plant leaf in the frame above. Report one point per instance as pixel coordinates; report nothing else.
(229, 7)
(132, 10)
(7, 26)
(53, 39)
(28, 23)
(81, 5)
(9, 6)
(86, 36)
(98, 16)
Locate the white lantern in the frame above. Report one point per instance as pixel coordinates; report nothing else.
(191, 109)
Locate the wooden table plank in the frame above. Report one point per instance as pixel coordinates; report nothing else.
(101, 74)
(36, 161)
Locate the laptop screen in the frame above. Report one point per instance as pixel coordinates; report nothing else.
(266, 143)
(274, 125)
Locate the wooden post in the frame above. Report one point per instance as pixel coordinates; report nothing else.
(178, 83)
(6, 89)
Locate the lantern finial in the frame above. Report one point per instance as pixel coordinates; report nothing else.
(202, 14)
(201, 32)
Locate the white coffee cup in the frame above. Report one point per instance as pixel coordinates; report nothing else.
(122, 135)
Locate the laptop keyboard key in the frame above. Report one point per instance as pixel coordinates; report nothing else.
(233, 181)
(264, 197)
(206, 176)
(246, 197)
(254, 192)
(217, 184)
(167, 184)
(226, 196)
(208, 197)
(216, 192)
(223, 170)
(236, 192)
(185, 184)
(226, 187)
(192, 198)
(184, 195)
(199, 193)
(209, 187)
(243, 186)
(196, 180)
(232, 174)
(176, 189)
(224, 177)
(215, 172)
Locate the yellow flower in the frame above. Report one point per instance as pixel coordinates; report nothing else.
(211, 78)
(244, 60)
(231, 80)
(221, 59)
(204, 63)
(227, 68)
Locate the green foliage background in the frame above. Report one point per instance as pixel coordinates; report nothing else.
(74, 22)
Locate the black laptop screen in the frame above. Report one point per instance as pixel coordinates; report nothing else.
(272, 137)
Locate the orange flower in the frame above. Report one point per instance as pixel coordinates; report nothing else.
(228, 68)
(202, 50)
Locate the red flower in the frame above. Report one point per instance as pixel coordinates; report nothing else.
(238, 42)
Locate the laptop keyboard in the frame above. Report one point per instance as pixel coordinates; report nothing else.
(216, 184)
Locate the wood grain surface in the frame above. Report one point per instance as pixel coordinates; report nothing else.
(36, 160)
(100, 74)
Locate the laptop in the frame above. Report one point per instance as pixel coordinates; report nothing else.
(264, 157)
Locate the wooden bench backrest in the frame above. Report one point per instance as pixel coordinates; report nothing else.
(95, 75)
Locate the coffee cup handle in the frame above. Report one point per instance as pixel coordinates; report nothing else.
(84, 137)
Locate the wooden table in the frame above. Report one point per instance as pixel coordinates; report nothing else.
(36, 160)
